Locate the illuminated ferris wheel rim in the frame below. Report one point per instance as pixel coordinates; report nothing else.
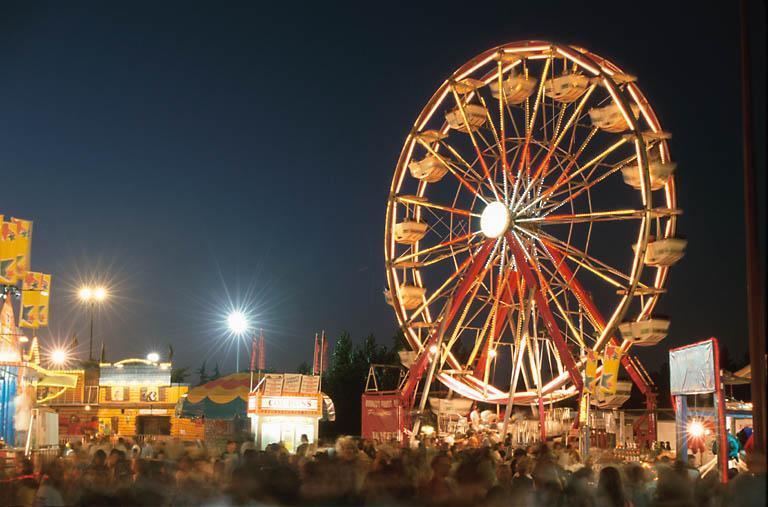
(505, 58)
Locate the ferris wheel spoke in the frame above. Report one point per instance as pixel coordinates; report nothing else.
(629, 363)
(580, 218)
(500, 306)
(469, 169)
(422, 201)
(454, 171)
(502, 127)
(460, 104)
(443, 290)
(583, 259)
(525, 269)
(543, 167)
(529, 130)
(568, 177)
(463, 239)
(569, 324)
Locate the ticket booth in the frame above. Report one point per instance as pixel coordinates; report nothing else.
(282, 408)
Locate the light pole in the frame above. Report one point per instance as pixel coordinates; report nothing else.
(91, 296)
(237, 322)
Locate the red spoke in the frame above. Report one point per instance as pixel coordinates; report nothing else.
(595, 315)
(420, 364)
(544, 311)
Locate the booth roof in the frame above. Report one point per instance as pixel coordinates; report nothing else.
(222, 390)
(211, 410)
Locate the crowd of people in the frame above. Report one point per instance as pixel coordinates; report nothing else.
(361, 472)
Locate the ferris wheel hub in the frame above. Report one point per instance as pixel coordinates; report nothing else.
(495, 219)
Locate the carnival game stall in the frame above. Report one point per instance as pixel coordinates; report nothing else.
(284, 407)
(216, 411)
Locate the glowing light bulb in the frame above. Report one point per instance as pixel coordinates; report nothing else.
(100, 294)
(433, 349)
(59, 357)
(237, 322)
(85, 293)
(153, 356)
(696, 429)
(495, 219)
(492, 353)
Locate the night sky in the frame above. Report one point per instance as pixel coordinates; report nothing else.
(198, 157)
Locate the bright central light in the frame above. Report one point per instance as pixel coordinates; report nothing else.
(237, 322)
(495, 219)
(100, 294)
(153, 356)
(59, 357)
(89, 294)
(86, 293)
(696, 429)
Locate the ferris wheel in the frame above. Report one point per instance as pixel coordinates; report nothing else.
(531, 219)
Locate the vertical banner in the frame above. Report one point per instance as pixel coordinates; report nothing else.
(316, 357)
(30, 299)
(590, 372)
(45, 296)
(9, 339)
(262, 352)
(609, 377)
(253, 354)
(324, 354)
(7, 253)
(23, 246)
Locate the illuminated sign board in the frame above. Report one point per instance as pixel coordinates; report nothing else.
(284, 405)
(134, 374)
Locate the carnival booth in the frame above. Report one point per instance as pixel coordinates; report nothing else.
(215, 411)
(283, 407)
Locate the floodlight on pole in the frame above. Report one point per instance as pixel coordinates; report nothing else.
(237, 322)
(85, 294)
(91, 296)
(238, 325)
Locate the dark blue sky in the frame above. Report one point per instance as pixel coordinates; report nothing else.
(197, 154)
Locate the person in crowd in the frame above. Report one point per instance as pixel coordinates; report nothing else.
(231, 457)
(610, 491)
(147, 451)
(637, 486)
(303, 448)
(440, 486)
(49, 494)
(359, 472)
(96, 475)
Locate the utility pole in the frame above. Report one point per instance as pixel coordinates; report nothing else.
(755, 309)
(90, 342)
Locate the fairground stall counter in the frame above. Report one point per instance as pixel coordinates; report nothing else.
(283, 407)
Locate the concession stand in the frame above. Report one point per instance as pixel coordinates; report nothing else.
(283, 407)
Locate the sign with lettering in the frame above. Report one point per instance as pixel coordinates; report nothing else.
(285, 405)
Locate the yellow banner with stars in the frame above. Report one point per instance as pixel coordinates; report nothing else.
(23, 246)
(8, 253)
(610, 373)
(15, 248)
(35, 295)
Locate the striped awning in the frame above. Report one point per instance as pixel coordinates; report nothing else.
(222, 390)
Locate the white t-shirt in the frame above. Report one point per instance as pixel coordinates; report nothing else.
(146, 451)
(48, 496)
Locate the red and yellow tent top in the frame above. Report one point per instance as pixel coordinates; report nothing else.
(222, 390)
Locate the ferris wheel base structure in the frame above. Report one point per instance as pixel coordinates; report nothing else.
(531, 223)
